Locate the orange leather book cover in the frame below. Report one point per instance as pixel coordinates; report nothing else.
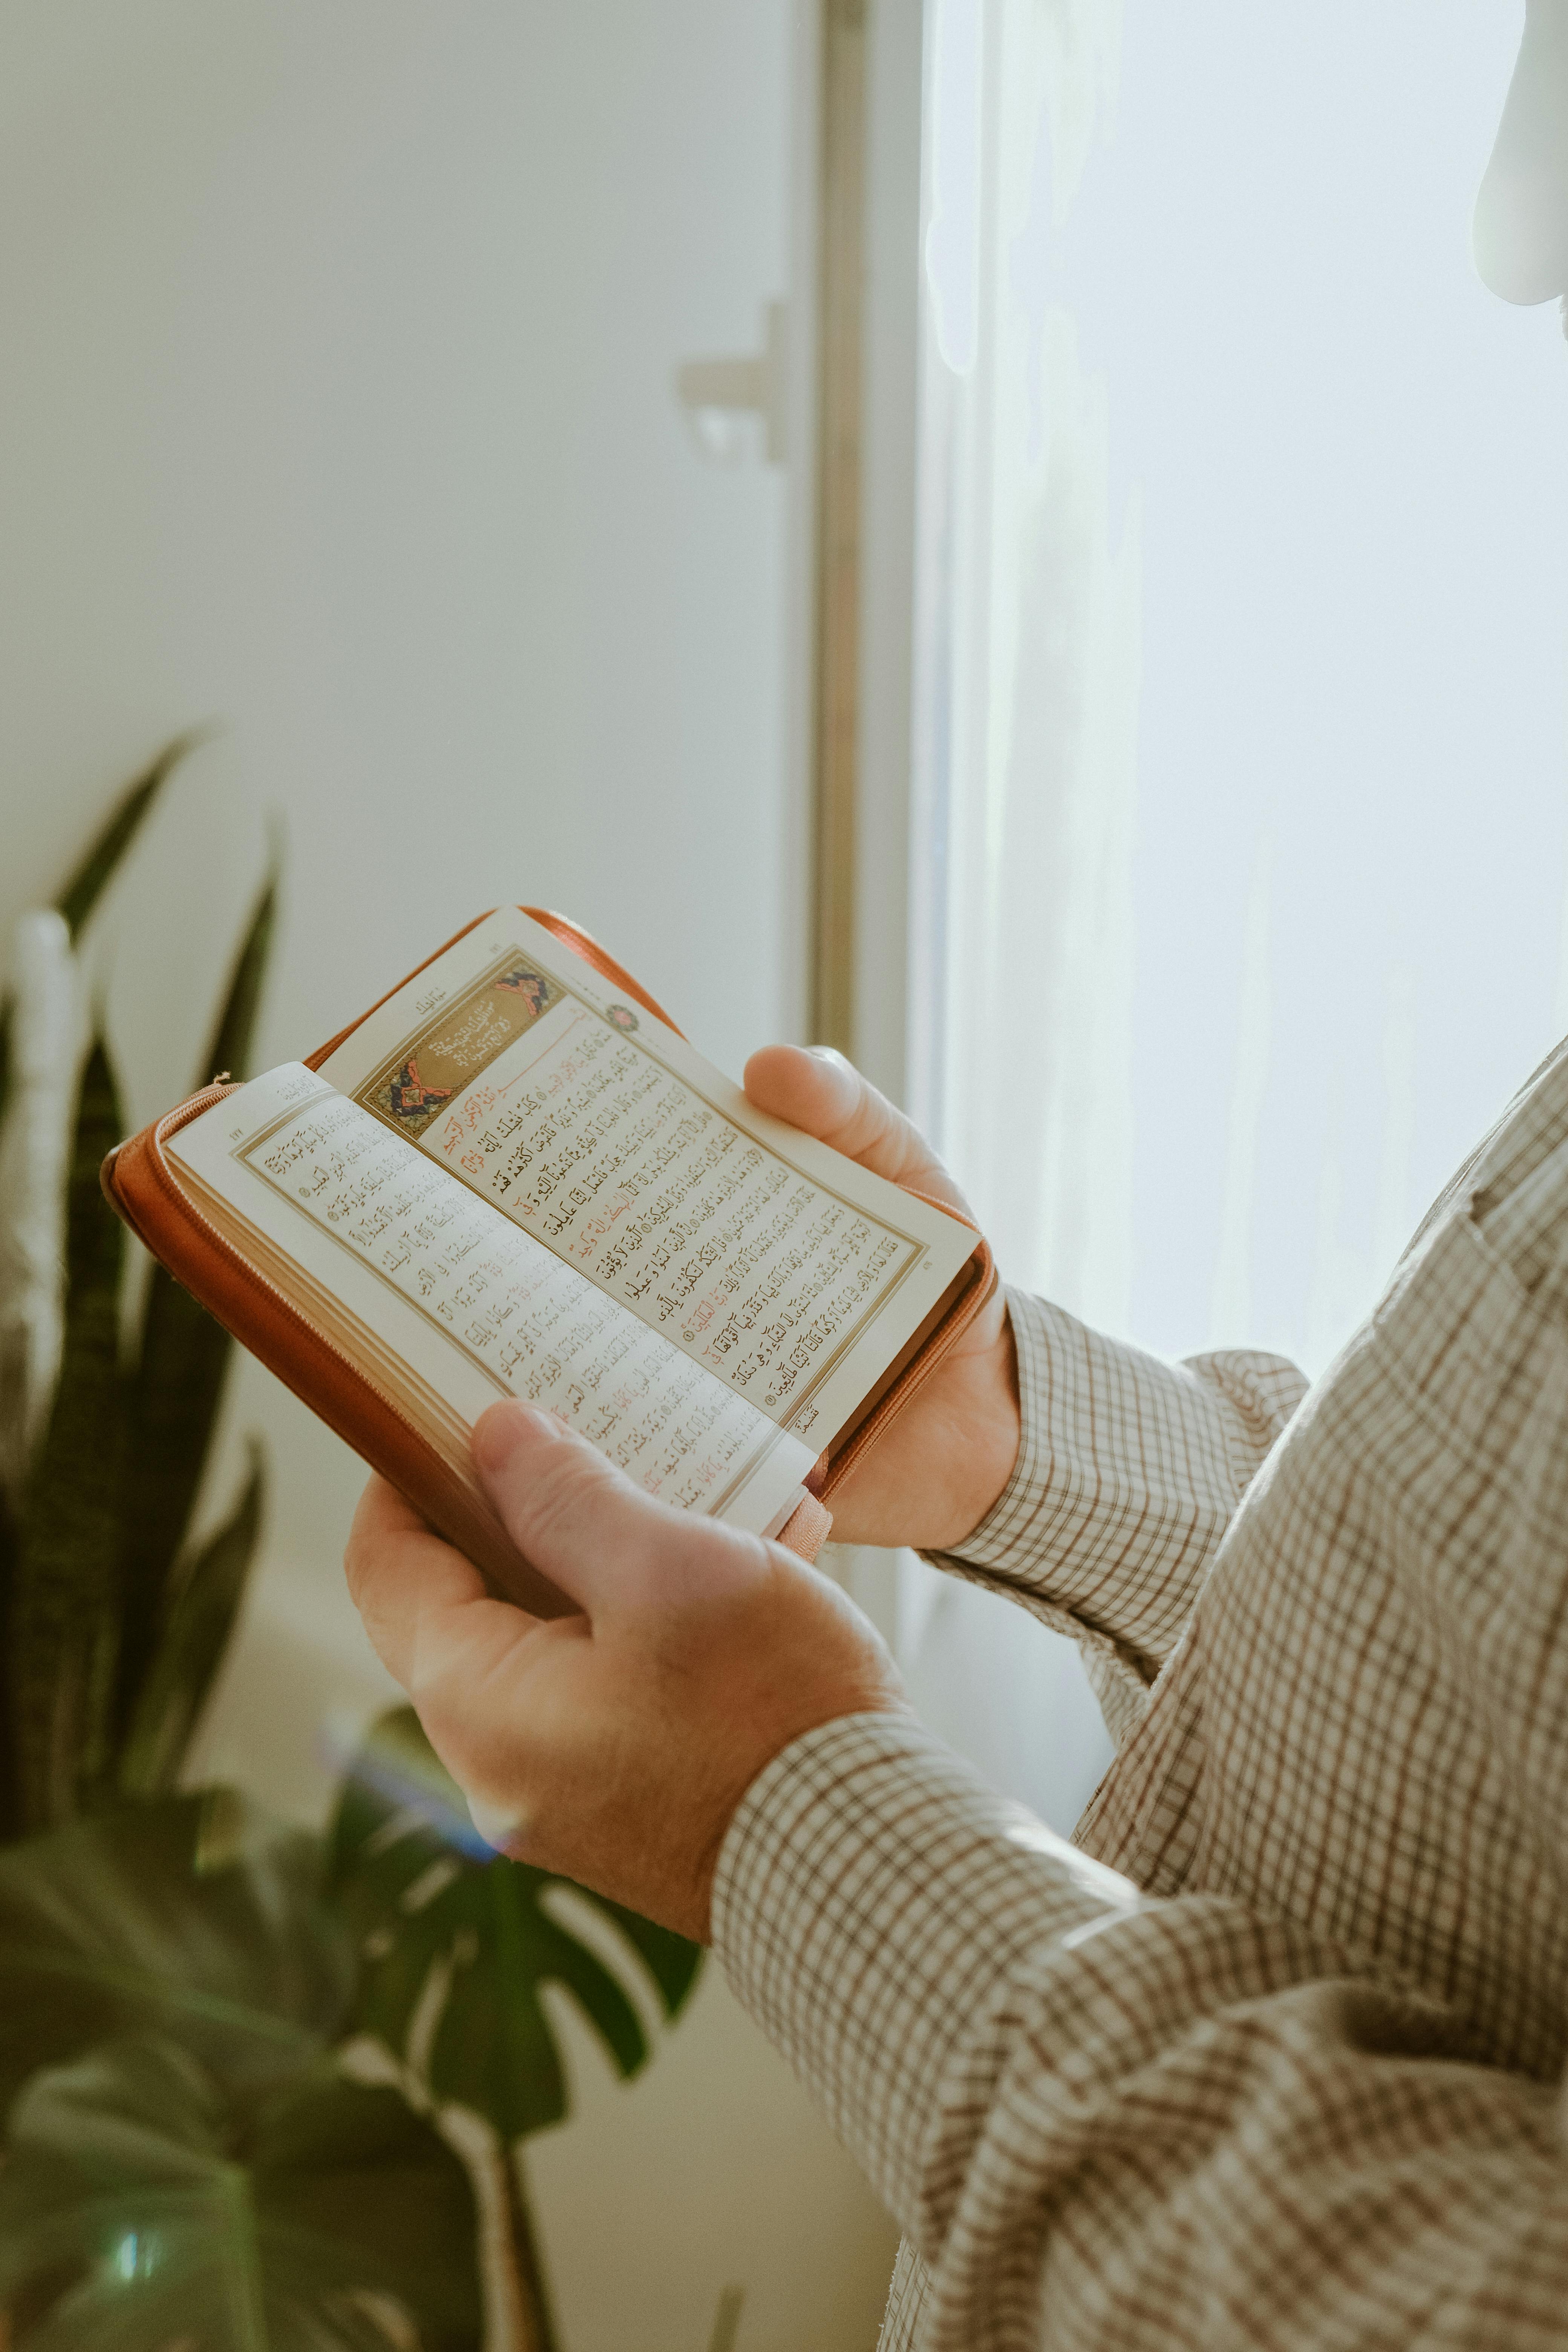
(143, 1185)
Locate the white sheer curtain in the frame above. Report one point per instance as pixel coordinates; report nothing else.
(1242, 608)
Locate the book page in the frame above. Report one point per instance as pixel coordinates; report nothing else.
(429, 1276)
(785, 1272)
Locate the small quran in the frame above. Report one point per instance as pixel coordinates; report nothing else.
(514, 1178)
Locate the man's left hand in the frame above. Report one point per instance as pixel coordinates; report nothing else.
(614, 1746)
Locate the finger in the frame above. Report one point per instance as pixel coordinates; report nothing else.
(582, 1522)
(425, 1608)
(381, 1515)
(826, 1096)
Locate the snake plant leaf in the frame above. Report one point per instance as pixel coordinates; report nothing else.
(10, 1794)
(229, 1048)
(83, 890)
(457, 1940)
(190, 1916)
(145, 2202)
(62, 1633)
(197, 1622)
(175, 1394)
(97, 866)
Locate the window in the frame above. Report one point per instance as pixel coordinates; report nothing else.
(1242, 607)
(1239, 824)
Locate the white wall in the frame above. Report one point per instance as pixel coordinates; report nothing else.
(336, 347)
(335, 379)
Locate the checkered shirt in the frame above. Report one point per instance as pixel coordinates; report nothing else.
(1271, 2055)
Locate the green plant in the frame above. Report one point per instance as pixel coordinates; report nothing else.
(185, 2162)
(455, 1943)
(114, 1622)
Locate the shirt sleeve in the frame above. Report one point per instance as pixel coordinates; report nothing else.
(1120, 2124)
(1130, 1469)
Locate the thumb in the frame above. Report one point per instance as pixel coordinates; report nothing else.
(580, 1520)
(821, 1093)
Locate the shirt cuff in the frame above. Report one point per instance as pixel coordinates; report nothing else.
(1012, 1525)
(1127, 1474)
(871, 1898)
(1020, 1547)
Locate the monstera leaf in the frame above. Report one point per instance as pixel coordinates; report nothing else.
(183, 2161)
(456, 1937)
(192, 1916)
(143, 2204)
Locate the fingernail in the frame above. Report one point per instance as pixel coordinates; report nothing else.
(539, 1418)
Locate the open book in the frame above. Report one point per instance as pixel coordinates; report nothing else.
(513, 1178)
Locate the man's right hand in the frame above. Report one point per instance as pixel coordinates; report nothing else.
(943, 1462)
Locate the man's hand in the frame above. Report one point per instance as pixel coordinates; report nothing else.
(943, 1461)
(614, 1746)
